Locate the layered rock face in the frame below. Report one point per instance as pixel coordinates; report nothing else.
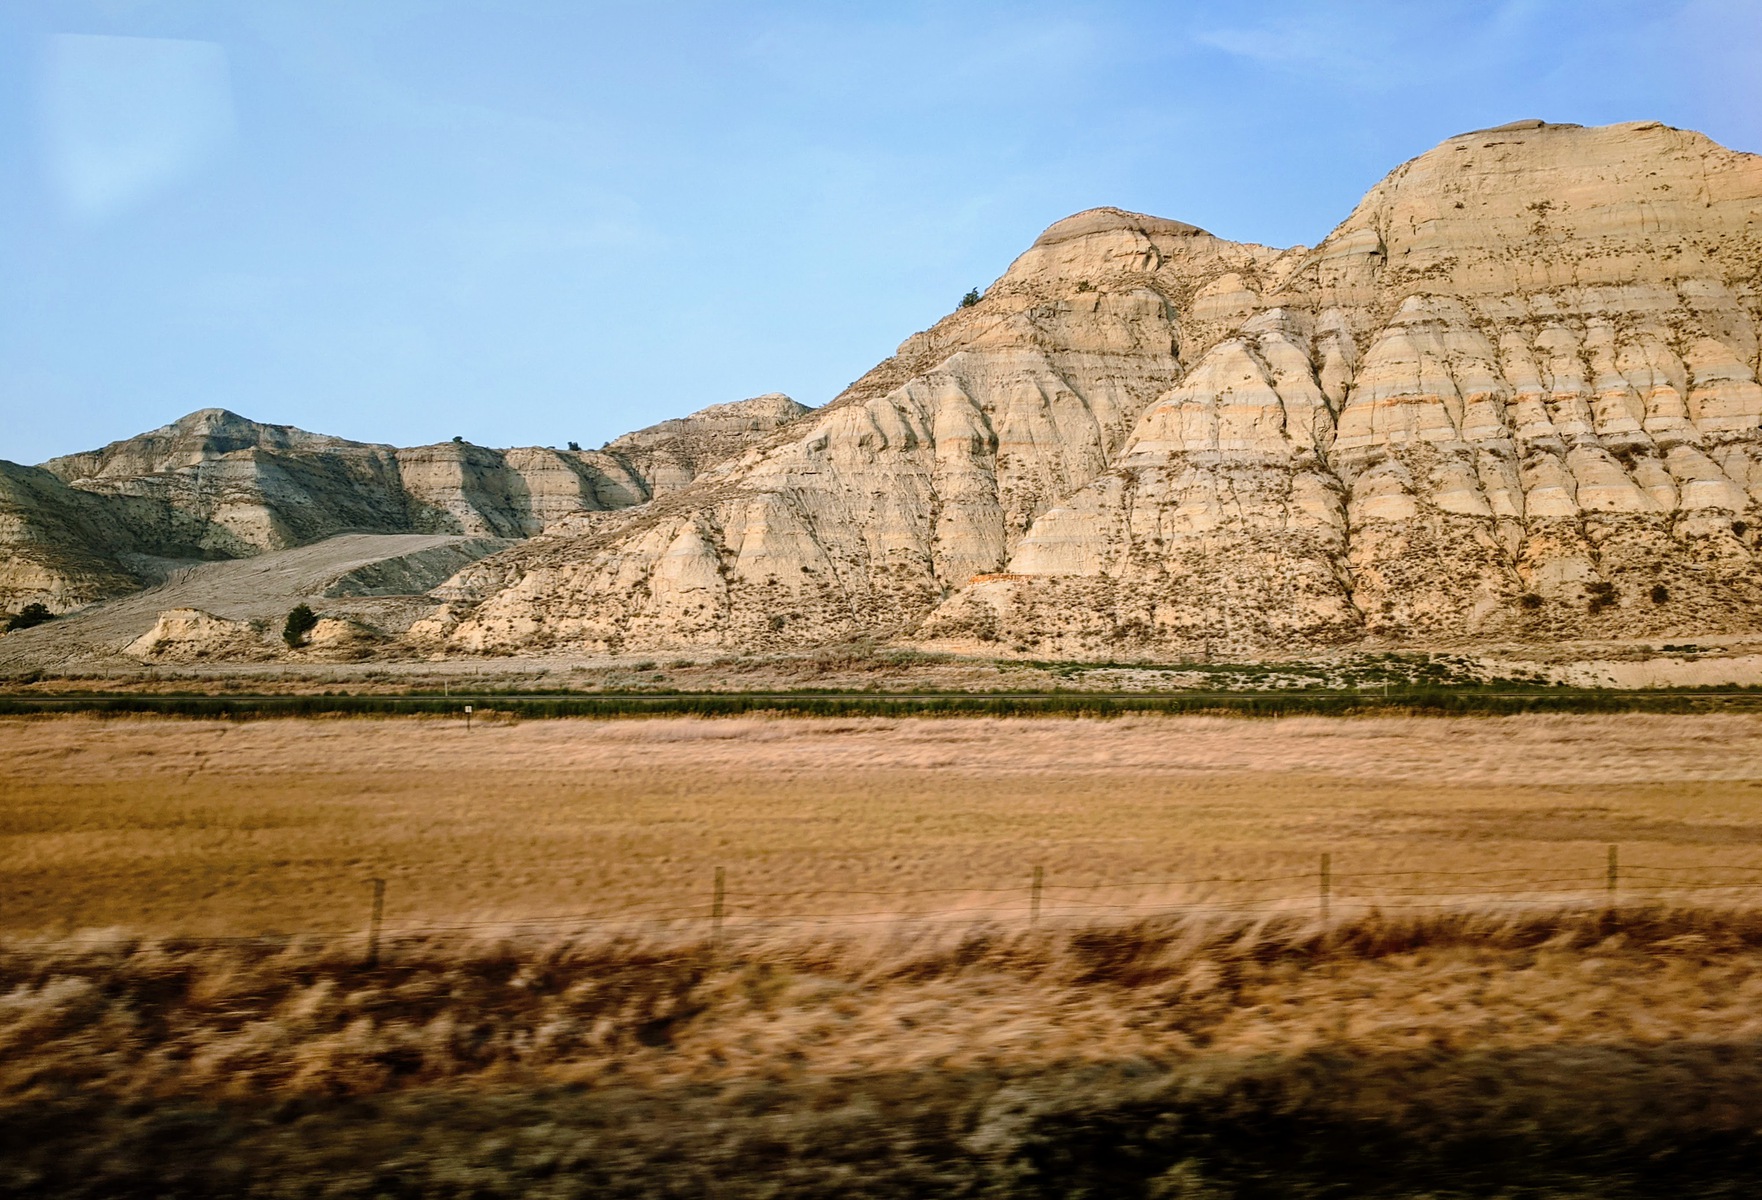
(216, 485)
(57, 546)
(863, 517)
(668, 456)
(1514, 394)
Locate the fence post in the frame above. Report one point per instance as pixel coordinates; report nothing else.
(1614, 874)
(716, 907)
(374, 924)
(1034, 895)
(1327, 889)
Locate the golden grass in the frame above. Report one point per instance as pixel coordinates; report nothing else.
(307, 1017)
(1207, 1048)
(189, 827)
(1541, 1045)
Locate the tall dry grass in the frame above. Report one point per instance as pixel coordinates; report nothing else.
(153, 1017)
(1586, 1048)
(1493, 1034)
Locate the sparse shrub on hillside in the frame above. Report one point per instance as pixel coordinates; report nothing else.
(1530, 600)
(28, 616)
(1740, 527)
(1660, 594)
(576, 446)
(1601, 595)
(301, 621)
(970, 299)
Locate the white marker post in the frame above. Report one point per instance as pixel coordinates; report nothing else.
(467, 718)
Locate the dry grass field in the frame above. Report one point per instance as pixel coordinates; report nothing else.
(224, 828)
(1600, 1056)
(1472, 1020)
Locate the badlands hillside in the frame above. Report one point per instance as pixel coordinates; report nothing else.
(215, 485)
(1512, 397)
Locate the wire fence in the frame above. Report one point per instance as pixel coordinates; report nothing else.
(1322, 894)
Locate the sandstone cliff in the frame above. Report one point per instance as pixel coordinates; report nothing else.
(1513, 394)
(216, 485)
(668, 456)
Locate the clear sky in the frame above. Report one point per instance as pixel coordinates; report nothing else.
(531, 221)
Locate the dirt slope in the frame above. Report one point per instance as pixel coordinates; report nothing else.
(374, 579)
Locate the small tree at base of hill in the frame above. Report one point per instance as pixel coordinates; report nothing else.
(301, 622)
(29, 615)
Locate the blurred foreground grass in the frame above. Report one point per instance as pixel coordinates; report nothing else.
(1561, 1054)
(1471, 1023)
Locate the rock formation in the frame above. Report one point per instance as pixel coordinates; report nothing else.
(59, 546)
(668, 456)
(190, 635)
(1514, 394)
(216, 485)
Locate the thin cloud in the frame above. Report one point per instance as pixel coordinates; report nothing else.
(125, 118)
(1377, 48)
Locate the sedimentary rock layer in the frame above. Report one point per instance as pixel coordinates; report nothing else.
(1514, 393)
(1512, 396)
(216, 485)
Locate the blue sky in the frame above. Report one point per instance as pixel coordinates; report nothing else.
(531, 222)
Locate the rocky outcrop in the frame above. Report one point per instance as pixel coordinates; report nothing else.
(865, 515)
(216, 485)
(1514, 394)
(413, 573)
(340, 639)
(191, 635)
(668, 456)
(185, 635)
(228, 487)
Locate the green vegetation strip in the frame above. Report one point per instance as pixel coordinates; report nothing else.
(1438, 701)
